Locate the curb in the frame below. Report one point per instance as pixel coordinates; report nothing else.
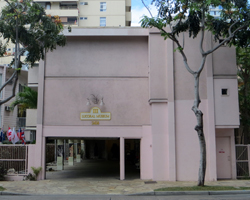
(179, 193)
(153, 193)
(229, 192)
(12, 193)
(171, 193)
(142, 194)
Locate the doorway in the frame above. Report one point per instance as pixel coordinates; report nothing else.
(132, 158)
(83, 158)
(223, 158)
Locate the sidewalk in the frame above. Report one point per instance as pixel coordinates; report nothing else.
(91, 181)
(103, 186)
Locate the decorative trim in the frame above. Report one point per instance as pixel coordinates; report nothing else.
(30, 128)
(226, 76)
(227, 126)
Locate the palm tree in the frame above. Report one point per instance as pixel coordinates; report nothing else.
(24, 100)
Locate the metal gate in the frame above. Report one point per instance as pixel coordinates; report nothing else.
(14, 157)
(242, 160)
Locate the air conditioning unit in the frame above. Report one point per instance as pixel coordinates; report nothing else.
(7, 108)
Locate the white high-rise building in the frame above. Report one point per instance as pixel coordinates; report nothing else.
(215, 11)
(90, 13)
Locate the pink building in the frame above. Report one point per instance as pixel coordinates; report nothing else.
(9, 118)
(147, 95)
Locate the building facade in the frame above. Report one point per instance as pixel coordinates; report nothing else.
(9, 118)
(94, 13)
(128, 83)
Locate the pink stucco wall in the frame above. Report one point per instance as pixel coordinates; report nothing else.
(148, 92)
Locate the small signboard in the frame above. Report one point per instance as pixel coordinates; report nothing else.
(95, 114)
(221, 151)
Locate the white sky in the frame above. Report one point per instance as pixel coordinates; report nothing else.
(138, 10)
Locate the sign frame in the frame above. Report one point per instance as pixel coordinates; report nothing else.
(95, 114)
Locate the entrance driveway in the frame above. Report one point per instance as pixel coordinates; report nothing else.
(93, 169)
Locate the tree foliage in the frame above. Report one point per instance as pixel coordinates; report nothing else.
(25, 99)
(192, 16)
(243, 63)
(26, 24)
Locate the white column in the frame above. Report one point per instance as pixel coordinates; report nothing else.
(60, 155)
(71, 152)
(122, 163)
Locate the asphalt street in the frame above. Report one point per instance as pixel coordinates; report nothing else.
(107, 197)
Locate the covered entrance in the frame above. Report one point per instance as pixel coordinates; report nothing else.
(75, 158)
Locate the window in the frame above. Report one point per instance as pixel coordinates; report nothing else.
(21, 88)
(102, 21)
(224, 92)
(103, 6)
(47, 6)
(83, 3)
(83, 18)
(214, 12)
(33, 136)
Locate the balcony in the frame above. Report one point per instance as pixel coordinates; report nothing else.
(31, 119)
(128, 2)
(33, 77)
(63, 12)
(128, 16)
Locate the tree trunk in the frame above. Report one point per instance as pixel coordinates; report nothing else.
(199, 129)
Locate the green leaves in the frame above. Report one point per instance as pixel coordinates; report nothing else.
(37, 33)
(178, 49)
(193, 15)
(25, 99)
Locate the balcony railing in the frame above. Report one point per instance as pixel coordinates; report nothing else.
(20, 122)
(63, 12)
(68, 7)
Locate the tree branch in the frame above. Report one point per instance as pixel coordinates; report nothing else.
(231, 35)
(183, 55)
(13, 90)
(8, 81)
(202, 32)
(147, 8)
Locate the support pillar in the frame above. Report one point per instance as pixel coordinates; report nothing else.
(64, 149)
(78, 151)
(71, 152)
(83, 149)
(55, 151)
(122, 161)
(60, 155)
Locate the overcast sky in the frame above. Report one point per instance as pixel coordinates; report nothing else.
(138, 10)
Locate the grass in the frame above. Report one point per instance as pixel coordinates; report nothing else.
(205, 188)
(1, 188)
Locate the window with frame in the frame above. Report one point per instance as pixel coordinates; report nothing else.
(103, 6)
(102, 21)
(83, 18)
(83, 3)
